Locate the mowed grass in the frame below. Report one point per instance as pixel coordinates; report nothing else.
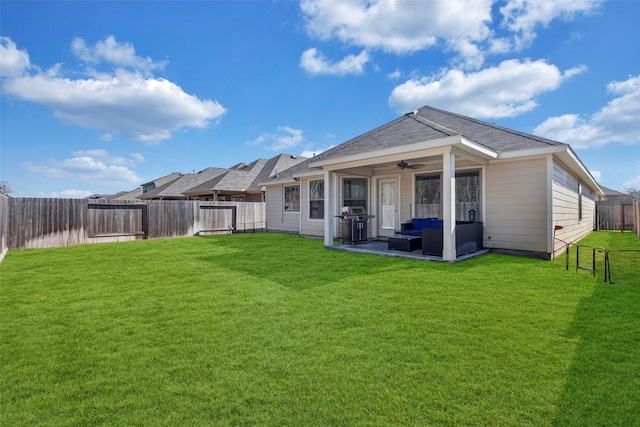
(270, 329)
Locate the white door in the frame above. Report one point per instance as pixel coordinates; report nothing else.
(387, 206)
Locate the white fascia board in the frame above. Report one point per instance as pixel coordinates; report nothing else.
(478, 149)
(400, 150)
(279, 181)
(310, 173)
(583, 171)
(552, 149)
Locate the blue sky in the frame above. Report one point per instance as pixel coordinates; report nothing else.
(100, 97)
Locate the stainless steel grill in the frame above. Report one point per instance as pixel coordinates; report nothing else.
(354, 224)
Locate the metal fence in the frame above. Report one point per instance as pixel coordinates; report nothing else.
(620, 266)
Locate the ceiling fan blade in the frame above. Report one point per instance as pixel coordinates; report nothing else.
(404, 165)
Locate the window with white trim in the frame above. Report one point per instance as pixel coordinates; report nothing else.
(354, 192)
(428, 200)
(468, 191)
(292, 198)
(316, 199)
(579, 201)
(428, 195)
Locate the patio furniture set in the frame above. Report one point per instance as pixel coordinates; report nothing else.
(426, 234)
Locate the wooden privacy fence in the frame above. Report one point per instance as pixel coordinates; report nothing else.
(42, 222)
(4, 224)
(617, 215)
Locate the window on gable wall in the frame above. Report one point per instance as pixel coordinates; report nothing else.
(292, 198)
(316, 199)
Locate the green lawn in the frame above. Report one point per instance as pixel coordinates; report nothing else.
(269, 329)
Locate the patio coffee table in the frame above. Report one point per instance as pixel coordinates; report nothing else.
(401, 242)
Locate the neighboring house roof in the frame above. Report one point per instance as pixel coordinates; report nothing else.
(246, 178)
(128, 195)
(613, 194)
(175, 189)
(289, 175)
(239, 178)
(275, 166)
(163, 179)
(425, 126)
(99, 197)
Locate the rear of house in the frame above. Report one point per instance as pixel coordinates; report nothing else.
(530, 193)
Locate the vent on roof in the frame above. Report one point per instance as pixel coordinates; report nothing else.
(411, 113)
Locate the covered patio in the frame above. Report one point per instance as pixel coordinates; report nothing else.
(380, 247)
(393, 179)
(456, 173)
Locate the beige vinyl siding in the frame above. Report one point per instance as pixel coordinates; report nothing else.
(516, 206)
(277, 219)
(309, 227)
(565, 208)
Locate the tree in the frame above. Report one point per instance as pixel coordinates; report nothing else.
(5, 188)
(633, 192)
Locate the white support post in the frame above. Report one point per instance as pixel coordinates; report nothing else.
(449, 206)
(328, 208)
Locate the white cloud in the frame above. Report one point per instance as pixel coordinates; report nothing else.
(397, 26)
(13, 62)
(314, 62)
(615, 122)
(104, 156)
(506, 90)
(633, 183)
(97, 167)
(122, 102)
(597, 175)
(285, 139)
(522, 17)
(109, 50)
(395, 75)
(464, 27)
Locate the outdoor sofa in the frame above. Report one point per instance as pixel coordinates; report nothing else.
(468, 235)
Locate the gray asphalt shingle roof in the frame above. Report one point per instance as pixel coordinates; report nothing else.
(176, 188)
(426, 123)
(430, 123)
(246, 178)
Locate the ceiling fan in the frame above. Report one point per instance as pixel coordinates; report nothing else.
(404, 165)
